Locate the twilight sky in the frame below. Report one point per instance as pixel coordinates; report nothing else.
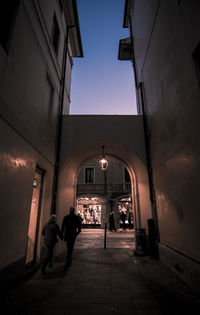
(101, 84)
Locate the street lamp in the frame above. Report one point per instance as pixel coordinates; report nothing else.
(103, 162)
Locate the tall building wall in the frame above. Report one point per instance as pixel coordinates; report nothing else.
(170, 32)
(31, 63)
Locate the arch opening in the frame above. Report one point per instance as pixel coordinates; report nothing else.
(98, 193)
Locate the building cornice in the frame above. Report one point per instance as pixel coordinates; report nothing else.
(127, 12)
(72, 21)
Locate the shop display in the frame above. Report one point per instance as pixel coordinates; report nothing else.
(91, 214)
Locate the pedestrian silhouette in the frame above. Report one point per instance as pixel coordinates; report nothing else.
(112, 222)
(123, 218)
(80, 218)
(71, 227)
(50, 232)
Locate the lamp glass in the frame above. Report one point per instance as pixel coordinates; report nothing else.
(103, 164)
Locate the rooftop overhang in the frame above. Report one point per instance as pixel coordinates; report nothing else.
(125, 49)
(72, 20)
(127, 12)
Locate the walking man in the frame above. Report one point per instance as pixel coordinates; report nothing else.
(123, 218)
(50, 232)
(112, 222)
(71, 227)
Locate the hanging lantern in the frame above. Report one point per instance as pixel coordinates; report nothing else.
(103, 162)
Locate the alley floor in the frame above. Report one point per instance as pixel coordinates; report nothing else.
(102, 281)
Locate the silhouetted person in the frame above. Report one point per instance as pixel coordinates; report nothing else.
(80, 218)
(123, 218)
(112, 222)
(50, 232)
(71, 227)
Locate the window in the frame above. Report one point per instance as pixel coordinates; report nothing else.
(196, 59)
(8, 12)
(126, 176)
(55, 36)
(89, 175)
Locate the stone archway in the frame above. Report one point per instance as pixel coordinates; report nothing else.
(83, 136)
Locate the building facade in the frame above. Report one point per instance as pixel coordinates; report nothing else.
(164, 48)
(101, 191)
(37, 44)
(123, 138)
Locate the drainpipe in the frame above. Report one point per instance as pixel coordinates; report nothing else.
(140, 86)
(60, 121)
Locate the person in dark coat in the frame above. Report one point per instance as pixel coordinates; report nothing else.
(112, 222)
(80, 218)
(123, 218)
(71, 227)
(50, 232)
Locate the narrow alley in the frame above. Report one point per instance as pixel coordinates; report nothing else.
(99, 112)
(102, 281)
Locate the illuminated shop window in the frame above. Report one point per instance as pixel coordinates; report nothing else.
(89, 210)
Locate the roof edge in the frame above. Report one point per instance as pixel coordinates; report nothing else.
(78, 27)
(127, 12)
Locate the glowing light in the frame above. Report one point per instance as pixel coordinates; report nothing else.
(103, 162)
(35, 182)
(18, 162)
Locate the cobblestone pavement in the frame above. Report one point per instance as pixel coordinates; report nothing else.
(102, 281)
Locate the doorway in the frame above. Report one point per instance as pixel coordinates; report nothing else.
(34, 219)
(125, 206)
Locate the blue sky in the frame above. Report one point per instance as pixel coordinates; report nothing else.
(101, 84)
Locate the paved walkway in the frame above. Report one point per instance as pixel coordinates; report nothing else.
(103, 281)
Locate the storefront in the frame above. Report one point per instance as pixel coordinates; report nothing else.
(125, 206)
(90, 210)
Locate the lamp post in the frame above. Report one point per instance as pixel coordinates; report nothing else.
(103, 165)
(103, 162)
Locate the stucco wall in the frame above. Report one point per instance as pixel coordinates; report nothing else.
(173, 108)
(114, 173)
(82, 138)
(18, 161)
(28, 127)
(27, 66)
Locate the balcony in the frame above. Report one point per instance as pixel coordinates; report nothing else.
(116, 188)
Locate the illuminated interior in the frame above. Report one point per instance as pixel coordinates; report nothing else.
(125, 205)
(90, 210)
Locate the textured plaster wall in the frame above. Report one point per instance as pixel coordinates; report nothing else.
(17, 163)
(27, 132)
(22, 89)
(122, 137)
(114, 172)
(173, 108)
